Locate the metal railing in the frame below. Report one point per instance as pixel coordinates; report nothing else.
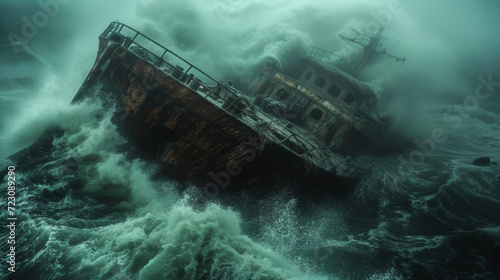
(375, 126)
(133, 40)
(328, 57)
(137, 42)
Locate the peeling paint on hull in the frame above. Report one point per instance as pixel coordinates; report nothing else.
(194, 131)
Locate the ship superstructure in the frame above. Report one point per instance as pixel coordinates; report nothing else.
(211, 132)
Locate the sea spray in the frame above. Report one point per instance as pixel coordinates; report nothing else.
(209, 244)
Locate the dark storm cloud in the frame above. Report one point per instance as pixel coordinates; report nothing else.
(448, 44)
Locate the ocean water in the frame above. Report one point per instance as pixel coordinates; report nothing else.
(88, 206)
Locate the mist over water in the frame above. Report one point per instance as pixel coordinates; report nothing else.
(447, 45)
(93, 210)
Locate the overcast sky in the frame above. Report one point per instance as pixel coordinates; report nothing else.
(447, 43)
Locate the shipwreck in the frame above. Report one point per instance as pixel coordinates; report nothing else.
(312, 125)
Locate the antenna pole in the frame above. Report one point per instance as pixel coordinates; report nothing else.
(370, 48)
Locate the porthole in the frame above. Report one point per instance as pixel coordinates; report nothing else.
(316, 114)
(282, 94)
(349, 98)
(334, 90)
(320, 82)
(308, 75)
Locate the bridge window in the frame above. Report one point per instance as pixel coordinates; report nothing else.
(308, 75)
(349, 98)
(320, 82)
(334, 90)
(316, 114)
(282, 94)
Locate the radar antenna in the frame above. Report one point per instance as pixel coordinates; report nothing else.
(371, 45)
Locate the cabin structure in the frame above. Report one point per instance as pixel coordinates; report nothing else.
(327, 99)
(336, 108)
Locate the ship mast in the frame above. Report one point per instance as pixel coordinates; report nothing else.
(370, 44)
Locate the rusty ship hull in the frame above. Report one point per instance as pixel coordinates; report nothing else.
(197, 126)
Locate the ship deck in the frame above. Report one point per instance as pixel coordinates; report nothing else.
(271, 128)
